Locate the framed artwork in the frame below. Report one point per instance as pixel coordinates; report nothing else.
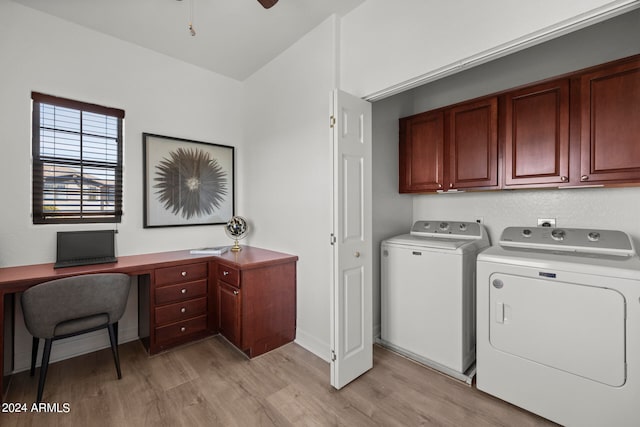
(186, 182)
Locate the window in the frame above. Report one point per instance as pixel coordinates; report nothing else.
(77, 161)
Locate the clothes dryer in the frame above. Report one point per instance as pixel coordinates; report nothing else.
(428, 294)
(558, 327)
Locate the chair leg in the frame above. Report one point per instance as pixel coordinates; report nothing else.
(113, 337)
(44, 367)
(115, 330)
(34, 355)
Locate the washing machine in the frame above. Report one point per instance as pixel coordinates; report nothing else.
(428, 294)
(558, 327)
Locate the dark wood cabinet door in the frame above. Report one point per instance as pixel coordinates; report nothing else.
(229, 312)
(610, 123)
(268, 307)
(421, 153)
(473, 144)
(536, 130)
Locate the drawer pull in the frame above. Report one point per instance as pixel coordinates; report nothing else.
(183, 310)
(236, 292)
(184, 291)
(184, 273)
(225, 273)
(183, 329)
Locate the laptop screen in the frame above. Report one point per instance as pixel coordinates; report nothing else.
(84, 247)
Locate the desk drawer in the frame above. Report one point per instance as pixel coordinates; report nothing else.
(177, 330)
(181, 273)
(228, 275)
(181, 311)
(181, 292)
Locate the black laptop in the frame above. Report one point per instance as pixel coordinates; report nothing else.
(85, 248)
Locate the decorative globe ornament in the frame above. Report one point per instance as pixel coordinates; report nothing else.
(237, 229)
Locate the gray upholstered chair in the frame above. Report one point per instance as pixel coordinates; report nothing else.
(72, 306)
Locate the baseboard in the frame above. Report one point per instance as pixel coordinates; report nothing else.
(377, 331)
(74, 346)
(311, 343)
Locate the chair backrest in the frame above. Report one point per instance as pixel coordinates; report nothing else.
(47, 304)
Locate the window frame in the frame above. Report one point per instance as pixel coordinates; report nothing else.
(39, 214)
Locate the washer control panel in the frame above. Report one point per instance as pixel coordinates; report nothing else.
(612, 242)
(447, 229)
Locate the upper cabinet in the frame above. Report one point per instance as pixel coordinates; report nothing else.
(452, 148)
(610, 123)
(422, 153)
(536, 134)
(473, 144)
(577, 130)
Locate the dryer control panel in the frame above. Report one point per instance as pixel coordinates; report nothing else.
(610, 242)
(457, 229)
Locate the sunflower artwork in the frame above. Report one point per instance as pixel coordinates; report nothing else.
(187, 182)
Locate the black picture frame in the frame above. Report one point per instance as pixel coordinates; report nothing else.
(187, 182)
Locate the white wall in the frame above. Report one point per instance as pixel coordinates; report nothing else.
(288, 171)
(608, 208)
(386, 44)
(159, 95)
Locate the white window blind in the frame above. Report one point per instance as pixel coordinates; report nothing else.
(77, 161)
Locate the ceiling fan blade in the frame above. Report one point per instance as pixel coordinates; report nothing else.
(267, 3)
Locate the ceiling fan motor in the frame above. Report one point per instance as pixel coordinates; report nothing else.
(267, 3)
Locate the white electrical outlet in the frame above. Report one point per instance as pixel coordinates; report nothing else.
(547, 222)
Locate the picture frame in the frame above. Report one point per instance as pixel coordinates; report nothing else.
(187, 182)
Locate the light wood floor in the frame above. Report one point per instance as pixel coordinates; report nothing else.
(209, 383)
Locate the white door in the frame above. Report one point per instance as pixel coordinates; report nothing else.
(351, 305)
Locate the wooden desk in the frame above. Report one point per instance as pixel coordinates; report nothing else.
(180, 298)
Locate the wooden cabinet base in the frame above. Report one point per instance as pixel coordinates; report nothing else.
(256, 300)
(174, 305)
(248, 297)
(270, 343)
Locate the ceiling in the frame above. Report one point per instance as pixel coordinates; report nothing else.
(234, 38)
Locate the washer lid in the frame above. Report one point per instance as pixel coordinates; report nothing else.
(429, 242)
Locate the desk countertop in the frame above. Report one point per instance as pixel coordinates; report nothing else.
(16, 279)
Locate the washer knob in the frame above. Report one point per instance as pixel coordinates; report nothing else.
(444, 226)
(594, 236)
(558, 234)
(526, 232)
(463, 227)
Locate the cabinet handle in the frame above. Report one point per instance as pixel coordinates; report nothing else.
(451, 185)
(184, 291)
(356, 254)
(225, 273)
(236, 292)
(439, 185)
(584, 178)
(183, 310)
(183, 329)
(564, 178)
(184, 273)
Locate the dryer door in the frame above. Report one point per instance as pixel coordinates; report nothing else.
(574, 328)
